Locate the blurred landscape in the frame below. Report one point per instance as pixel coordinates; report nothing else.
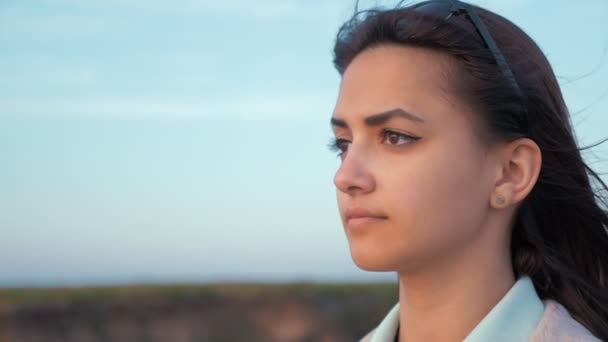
(213, 312)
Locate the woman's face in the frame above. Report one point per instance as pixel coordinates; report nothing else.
(411, 158)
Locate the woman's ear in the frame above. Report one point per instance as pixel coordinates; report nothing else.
(520, 164)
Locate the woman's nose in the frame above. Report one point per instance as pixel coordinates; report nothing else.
(354, 175)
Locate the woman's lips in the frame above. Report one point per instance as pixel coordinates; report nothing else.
(359, 217)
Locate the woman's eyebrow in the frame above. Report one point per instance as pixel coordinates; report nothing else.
(380, 118)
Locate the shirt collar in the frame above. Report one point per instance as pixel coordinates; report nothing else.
(513, 318)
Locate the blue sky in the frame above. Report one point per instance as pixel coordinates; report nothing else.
(163, 141)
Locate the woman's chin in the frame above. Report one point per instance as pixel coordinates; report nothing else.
(370, 261)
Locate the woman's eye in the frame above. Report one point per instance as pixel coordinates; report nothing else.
(395, 138)
(389, 137)
(339, 145)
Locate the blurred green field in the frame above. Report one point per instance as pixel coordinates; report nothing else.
(50, 295)
(208, 312)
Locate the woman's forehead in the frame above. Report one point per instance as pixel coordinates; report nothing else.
(392, 76)
(398, 64)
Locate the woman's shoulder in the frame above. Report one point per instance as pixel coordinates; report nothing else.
(557, 324)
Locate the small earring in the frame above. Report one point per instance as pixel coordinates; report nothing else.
(500, 200)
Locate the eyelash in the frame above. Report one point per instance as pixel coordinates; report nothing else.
(335, 144)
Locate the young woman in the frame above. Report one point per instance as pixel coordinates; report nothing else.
(460, 172)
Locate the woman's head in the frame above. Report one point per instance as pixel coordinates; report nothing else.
(456, 155)
(428, 171)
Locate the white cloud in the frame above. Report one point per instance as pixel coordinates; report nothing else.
(17, 23)
(258, 8)
(252, 108)
(57, 76)
(114, 17)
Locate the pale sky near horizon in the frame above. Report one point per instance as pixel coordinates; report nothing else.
(168, 141)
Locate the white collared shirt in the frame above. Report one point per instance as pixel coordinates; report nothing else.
(514, 318)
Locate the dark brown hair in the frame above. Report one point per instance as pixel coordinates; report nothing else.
(560, 232)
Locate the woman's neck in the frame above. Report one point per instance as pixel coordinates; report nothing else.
(447, 303)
